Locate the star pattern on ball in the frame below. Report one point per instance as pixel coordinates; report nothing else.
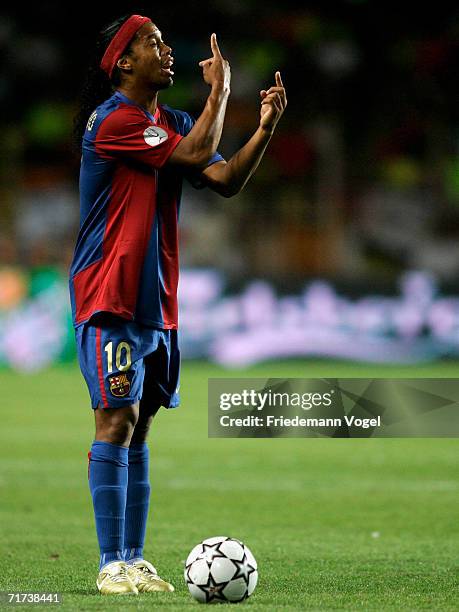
(211, 552)
(213, 590)
(244, 569)
(187, 574)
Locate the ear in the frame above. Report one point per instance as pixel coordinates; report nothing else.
(124, 63)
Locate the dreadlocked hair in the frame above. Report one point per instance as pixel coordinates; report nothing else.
(97, 85)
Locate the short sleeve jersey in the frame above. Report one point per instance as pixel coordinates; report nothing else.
(126, 260)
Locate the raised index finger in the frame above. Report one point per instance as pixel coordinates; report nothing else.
(214, 45)
(278, 79)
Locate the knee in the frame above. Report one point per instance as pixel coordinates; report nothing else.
(119, 433)
(117, 425)
(141, 429)
(140, 433)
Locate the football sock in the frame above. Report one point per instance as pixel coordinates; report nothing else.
(138, 501)
(108, 479)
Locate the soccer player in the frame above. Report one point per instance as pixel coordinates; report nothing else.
(124, 274)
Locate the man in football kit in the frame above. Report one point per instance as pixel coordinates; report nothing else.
(124, 274)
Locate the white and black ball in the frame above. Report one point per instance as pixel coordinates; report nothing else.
(221, 569)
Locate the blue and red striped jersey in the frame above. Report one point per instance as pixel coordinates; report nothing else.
(126, 260)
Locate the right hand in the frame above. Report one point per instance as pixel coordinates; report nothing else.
(216, 70)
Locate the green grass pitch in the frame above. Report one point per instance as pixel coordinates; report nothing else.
(334, 524)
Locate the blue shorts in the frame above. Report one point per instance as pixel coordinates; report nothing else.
(124, 362)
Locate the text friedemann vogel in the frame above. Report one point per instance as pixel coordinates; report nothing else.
(297, 421)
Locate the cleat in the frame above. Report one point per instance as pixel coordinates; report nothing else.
(146, 579)
(113, 579)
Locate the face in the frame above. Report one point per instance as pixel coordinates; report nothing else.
(150, 58)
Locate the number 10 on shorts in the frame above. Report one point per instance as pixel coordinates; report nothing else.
(123, 359)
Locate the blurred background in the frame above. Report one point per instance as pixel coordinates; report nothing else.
(346, 242)
(339, 259)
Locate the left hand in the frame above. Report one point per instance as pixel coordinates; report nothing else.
(273, 103)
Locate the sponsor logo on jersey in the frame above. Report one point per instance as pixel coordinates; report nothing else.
(154, 136)
(119, 385)
(91, 121)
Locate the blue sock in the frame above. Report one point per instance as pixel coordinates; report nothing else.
(108, 479)
(138, 501)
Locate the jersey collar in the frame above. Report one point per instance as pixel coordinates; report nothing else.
(154, 118)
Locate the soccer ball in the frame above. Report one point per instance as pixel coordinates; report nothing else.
(221, 569)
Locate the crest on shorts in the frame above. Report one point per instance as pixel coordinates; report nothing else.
(119, 385)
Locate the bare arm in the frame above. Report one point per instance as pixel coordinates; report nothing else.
(197, 148)
(228, 178)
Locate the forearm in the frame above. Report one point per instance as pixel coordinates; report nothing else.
(232, 177)
(207, 130)
(197, 148)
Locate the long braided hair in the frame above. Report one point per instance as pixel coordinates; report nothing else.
(97, 85)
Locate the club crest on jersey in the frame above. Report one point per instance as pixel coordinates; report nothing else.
(119, 385)
(154, 136)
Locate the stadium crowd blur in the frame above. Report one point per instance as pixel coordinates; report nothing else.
(360, 182)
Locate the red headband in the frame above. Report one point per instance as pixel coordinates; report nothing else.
(120, 41)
